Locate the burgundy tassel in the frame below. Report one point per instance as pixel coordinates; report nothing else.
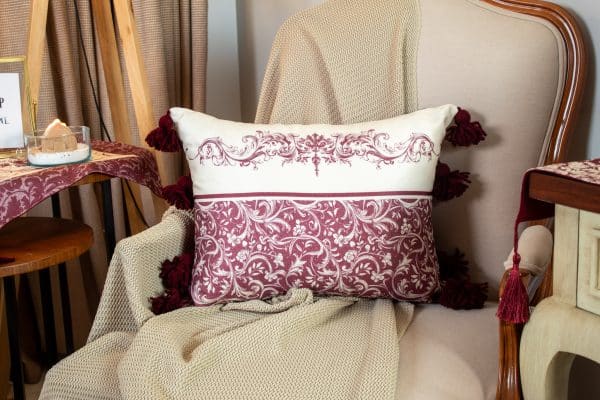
(465, 132)
(514, 303)
(6, 260)
(180, 194)
(461, 294)
(164, 138)
(457, 290)
(170, 300)
(176, 276)
(452, 266)
(449, 184)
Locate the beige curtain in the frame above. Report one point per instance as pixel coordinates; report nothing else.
(173, 41)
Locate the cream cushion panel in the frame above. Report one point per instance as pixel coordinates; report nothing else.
(507, 69)
(448, 354)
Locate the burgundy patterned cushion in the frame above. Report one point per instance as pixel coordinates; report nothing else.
(342, 210)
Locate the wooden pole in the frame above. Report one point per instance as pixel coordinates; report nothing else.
(115, 87)
(140, 90)
(35, 50)
(112, 69)
(138, 82)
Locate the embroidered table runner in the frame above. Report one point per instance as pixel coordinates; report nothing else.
(583, 171)
(22, 186)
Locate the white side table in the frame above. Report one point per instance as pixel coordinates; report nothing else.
(568, 322)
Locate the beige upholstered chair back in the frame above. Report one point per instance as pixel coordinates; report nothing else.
(510, 70)
(514, 71)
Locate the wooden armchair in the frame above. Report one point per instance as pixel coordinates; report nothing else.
(518, 66)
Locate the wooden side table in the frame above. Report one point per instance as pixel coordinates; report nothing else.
(568, 322)
(37, 243)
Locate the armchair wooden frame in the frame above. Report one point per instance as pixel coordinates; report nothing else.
(509, 385)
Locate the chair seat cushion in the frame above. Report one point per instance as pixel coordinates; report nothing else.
(448, 354)
(444, 354)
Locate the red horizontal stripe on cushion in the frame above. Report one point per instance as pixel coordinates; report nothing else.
(309, 195)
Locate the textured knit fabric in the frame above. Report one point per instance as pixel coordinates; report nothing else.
(295, 346)
(361, 57)
(301, 347)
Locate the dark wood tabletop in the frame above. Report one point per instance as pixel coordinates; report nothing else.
(562, 190)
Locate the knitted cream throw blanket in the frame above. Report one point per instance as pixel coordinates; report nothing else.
(361, 59)
(342, 62)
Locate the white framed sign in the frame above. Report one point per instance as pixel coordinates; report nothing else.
(16, 112)
(11, 119)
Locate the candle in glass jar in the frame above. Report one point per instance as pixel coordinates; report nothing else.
(57, 145)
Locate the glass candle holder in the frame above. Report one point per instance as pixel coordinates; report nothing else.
(68, 148)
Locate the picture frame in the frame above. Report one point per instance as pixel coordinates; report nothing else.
(17, 113)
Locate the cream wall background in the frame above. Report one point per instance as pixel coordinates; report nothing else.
(240, 33)
(587, 13)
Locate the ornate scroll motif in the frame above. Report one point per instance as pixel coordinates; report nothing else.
(317, 149)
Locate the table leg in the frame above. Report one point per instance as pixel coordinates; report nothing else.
(66, 307)
(64, 288)
(12, 318)
(109, 222)
(55, 205)
(48, 315)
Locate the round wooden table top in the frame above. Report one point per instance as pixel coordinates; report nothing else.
(38, 242)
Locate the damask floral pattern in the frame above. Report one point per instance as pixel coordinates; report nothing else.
(316, 148)
(25, 189)
(369, 247)
(586, 171)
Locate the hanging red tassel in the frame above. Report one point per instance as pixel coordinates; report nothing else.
(449, 184)
(514, 303)
(180, 194)
(465, 132)
(164, 138)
